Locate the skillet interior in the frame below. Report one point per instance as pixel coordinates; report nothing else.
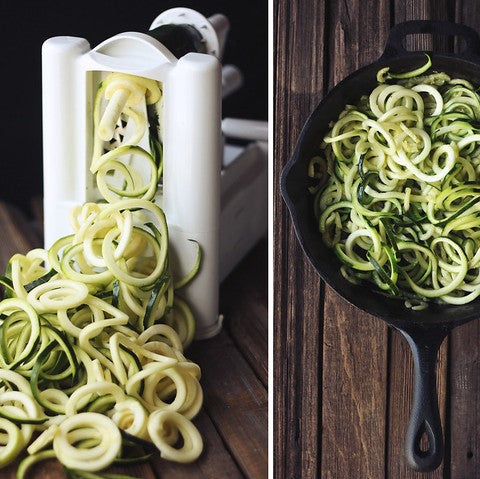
(294, 190)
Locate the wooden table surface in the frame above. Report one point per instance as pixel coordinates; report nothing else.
(343, 380)
(233, 421)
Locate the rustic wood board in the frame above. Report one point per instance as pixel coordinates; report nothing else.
(236, 401)
(234, 365)
(247, 321)
(363, 402)
(298, 292)
(464, 374)
(354, 379)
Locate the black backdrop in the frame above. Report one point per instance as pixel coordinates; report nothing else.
(26, 24)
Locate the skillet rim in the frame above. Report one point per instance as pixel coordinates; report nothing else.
(434, 315)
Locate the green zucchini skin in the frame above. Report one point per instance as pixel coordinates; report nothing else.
(402, 167)
(92, 332)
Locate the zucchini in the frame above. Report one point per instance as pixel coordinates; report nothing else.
(404, 171)
(73, 361)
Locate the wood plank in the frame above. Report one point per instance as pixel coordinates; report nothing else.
(297, 383)
(52, 469)
(16, 234)
(425, 10)
(243, 302)
(37, 212)
(140, 471)
(465, 402)
(357, 32)
(236, 401)
(354, 379)
(214, 463)
(465, 355)
(401, 378)
(354, 400)
(298, 293)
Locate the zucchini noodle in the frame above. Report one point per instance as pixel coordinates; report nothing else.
(396, 187)
(92, 331)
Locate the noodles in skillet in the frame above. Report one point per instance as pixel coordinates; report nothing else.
(397, 188)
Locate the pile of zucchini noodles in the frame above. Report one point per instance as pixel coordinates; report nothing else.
(92, 331)
(397, 188)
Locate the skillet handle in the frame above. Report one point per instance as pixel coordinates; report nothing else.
(425, 416)
(394, 45)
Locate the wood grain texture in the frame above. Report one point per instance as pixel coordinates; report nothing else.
(243, 302)
(214, 463)
(357, 31)
(425, 10)
(16, 234)
(354, 398)
(37, 212)
(465, 355)
(465, 402)
(298, 315)
(355, 344)
(366, 382)
(236, 402)
(52, 469)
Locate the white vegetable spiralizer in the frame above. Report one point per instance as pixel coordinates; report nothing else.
(212, 192)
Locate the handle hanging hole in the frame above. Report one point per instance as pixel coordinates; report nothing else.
(424, 443)
(423, 447)
(432, 42)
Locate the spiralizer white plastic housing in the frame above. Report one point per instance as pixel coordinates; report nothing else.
(214, 195)
(191, 142)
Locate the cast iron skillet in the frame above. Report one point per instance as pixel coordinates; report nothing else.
(424, 330)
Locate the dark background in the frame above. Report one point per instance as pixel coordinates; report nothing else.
(26, 24)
